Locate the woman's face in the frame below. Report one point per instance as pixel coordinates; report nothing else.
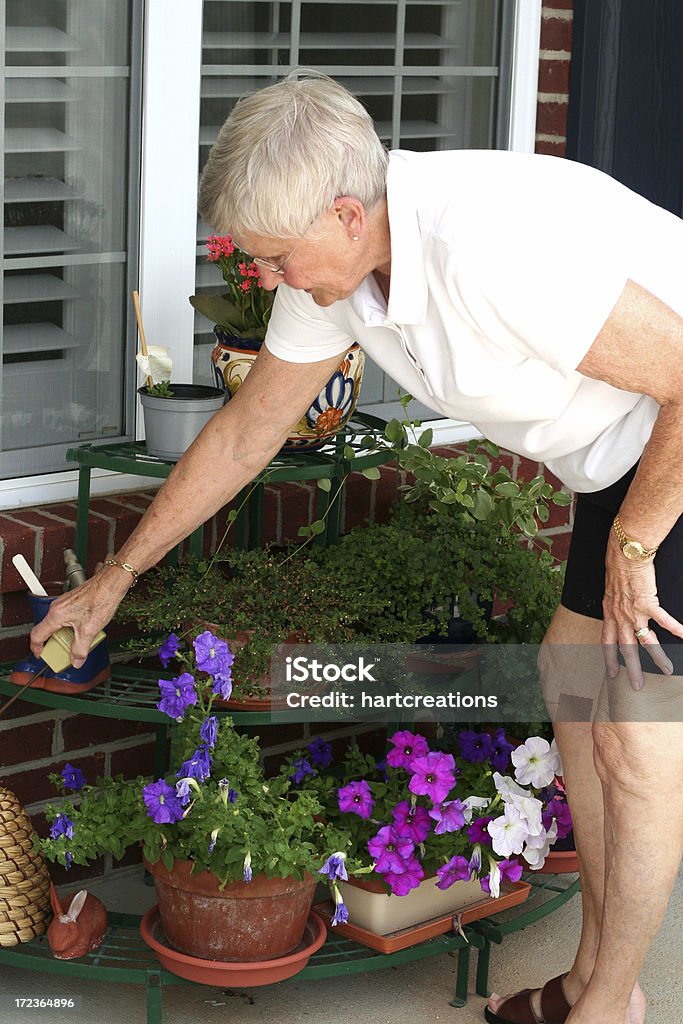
(328, 262)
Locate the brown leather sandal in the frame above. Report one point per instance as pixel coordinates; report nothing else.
(517, 1009)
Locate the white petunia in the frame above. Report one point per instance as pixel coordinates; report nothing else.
(559, 769)
(535, 763)
(494, 878)
(530, 811)
(506, 786)
(508, 832)
(473, 803)
(538, 847)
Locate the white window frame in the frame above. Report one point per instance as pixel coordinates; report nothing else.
(170, 143)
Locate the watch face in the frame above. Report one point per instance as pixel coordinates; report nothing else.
(633, 550)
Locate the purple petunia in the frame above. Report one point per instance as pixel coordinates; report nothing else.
(510, 870)
(406, 747)
(501, 750)
(411, 822)
(68, 860)
(401, 884)
(222, 685)
(390, 851)
(456, 870)
(169, 649)
(177, 695)
(335, 867)
(212, 654)
(433, 776)
(478, 832)
(475, 746)
(227, 794)
(162, 803)
(209, 731)
(182, 791)
(62, 826)
(559, 810)
(73, 778)
(356, 798)
(450, 816)
(197, 767)
(341, 914)
(302, 767)
(321, 752)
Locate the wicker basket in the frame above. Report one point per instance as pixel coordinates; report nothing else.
(24, 880)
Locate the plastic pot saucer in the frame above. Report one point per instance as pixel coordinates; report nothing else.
(221, 972)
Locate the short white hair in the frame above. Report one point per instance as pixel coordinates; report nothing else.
(285, 153)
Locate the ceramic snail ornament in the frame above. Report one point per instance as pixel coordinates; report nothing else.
(79, 924)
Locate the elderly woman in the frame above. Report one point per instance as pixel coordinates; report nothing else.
(436, 264)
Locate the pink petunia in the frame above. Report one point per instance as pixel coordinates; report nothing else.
(433, 776)
(406, 747)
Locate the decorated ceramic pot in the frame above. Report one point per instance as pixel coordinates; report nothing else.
(330, 412)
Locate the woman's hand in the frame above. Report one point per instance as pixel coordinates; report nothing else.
(87, 609)
(629, 604)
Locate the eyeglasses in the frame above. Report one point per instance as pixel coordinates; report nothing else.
(280, 269)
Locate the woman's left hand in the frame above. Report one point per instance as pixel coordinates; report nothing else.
(630, 602)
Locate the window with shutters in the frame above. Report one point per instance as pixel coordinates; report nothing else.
(69, 203)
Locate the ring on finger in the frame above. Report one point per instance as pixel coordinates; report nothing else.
(642, 632)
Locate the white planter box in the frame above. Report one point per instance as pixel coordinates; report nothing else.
(382, 912)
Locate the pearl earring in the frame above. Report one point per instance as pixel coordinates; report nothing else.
(354, 237)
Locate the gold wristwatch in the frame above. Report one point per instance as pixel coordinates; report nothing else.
(632, 549)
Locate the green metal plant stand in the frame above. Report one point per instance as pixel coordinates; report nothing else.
(330, 465)
(124, 958)
(132, 694)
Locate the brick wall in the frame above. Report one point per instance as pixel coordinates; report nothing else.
(36, 741)
(553, 78)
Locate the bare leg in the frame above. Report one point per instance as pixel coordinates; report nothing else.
(639, 764)
(572, 677)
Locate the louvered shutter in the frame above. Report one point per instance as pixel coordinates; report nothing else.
(71, 107)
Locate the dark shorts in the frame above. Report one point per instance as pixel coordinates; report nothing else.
(584, 584)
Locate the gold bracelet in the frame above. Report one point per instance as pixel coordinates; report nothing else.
(124, 565)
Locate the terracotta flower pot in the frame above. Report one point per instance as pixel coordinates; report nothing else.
(246, 921)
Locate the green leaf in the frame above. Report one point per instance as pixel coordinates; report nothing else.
(508, 489)
(483, 505)
(561, 498)
(543, 513)
(372, 473)
(405, 400)
(393, 431)
(490, 447)
(426, 438)
(325, 484)
(317, 527)
(232, 516)
(349, 452)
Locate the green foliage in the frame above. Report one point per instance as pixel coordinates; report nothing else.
(261, 598)
(409, 573)
(162, 389)
(278, 826)
(467, 484)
